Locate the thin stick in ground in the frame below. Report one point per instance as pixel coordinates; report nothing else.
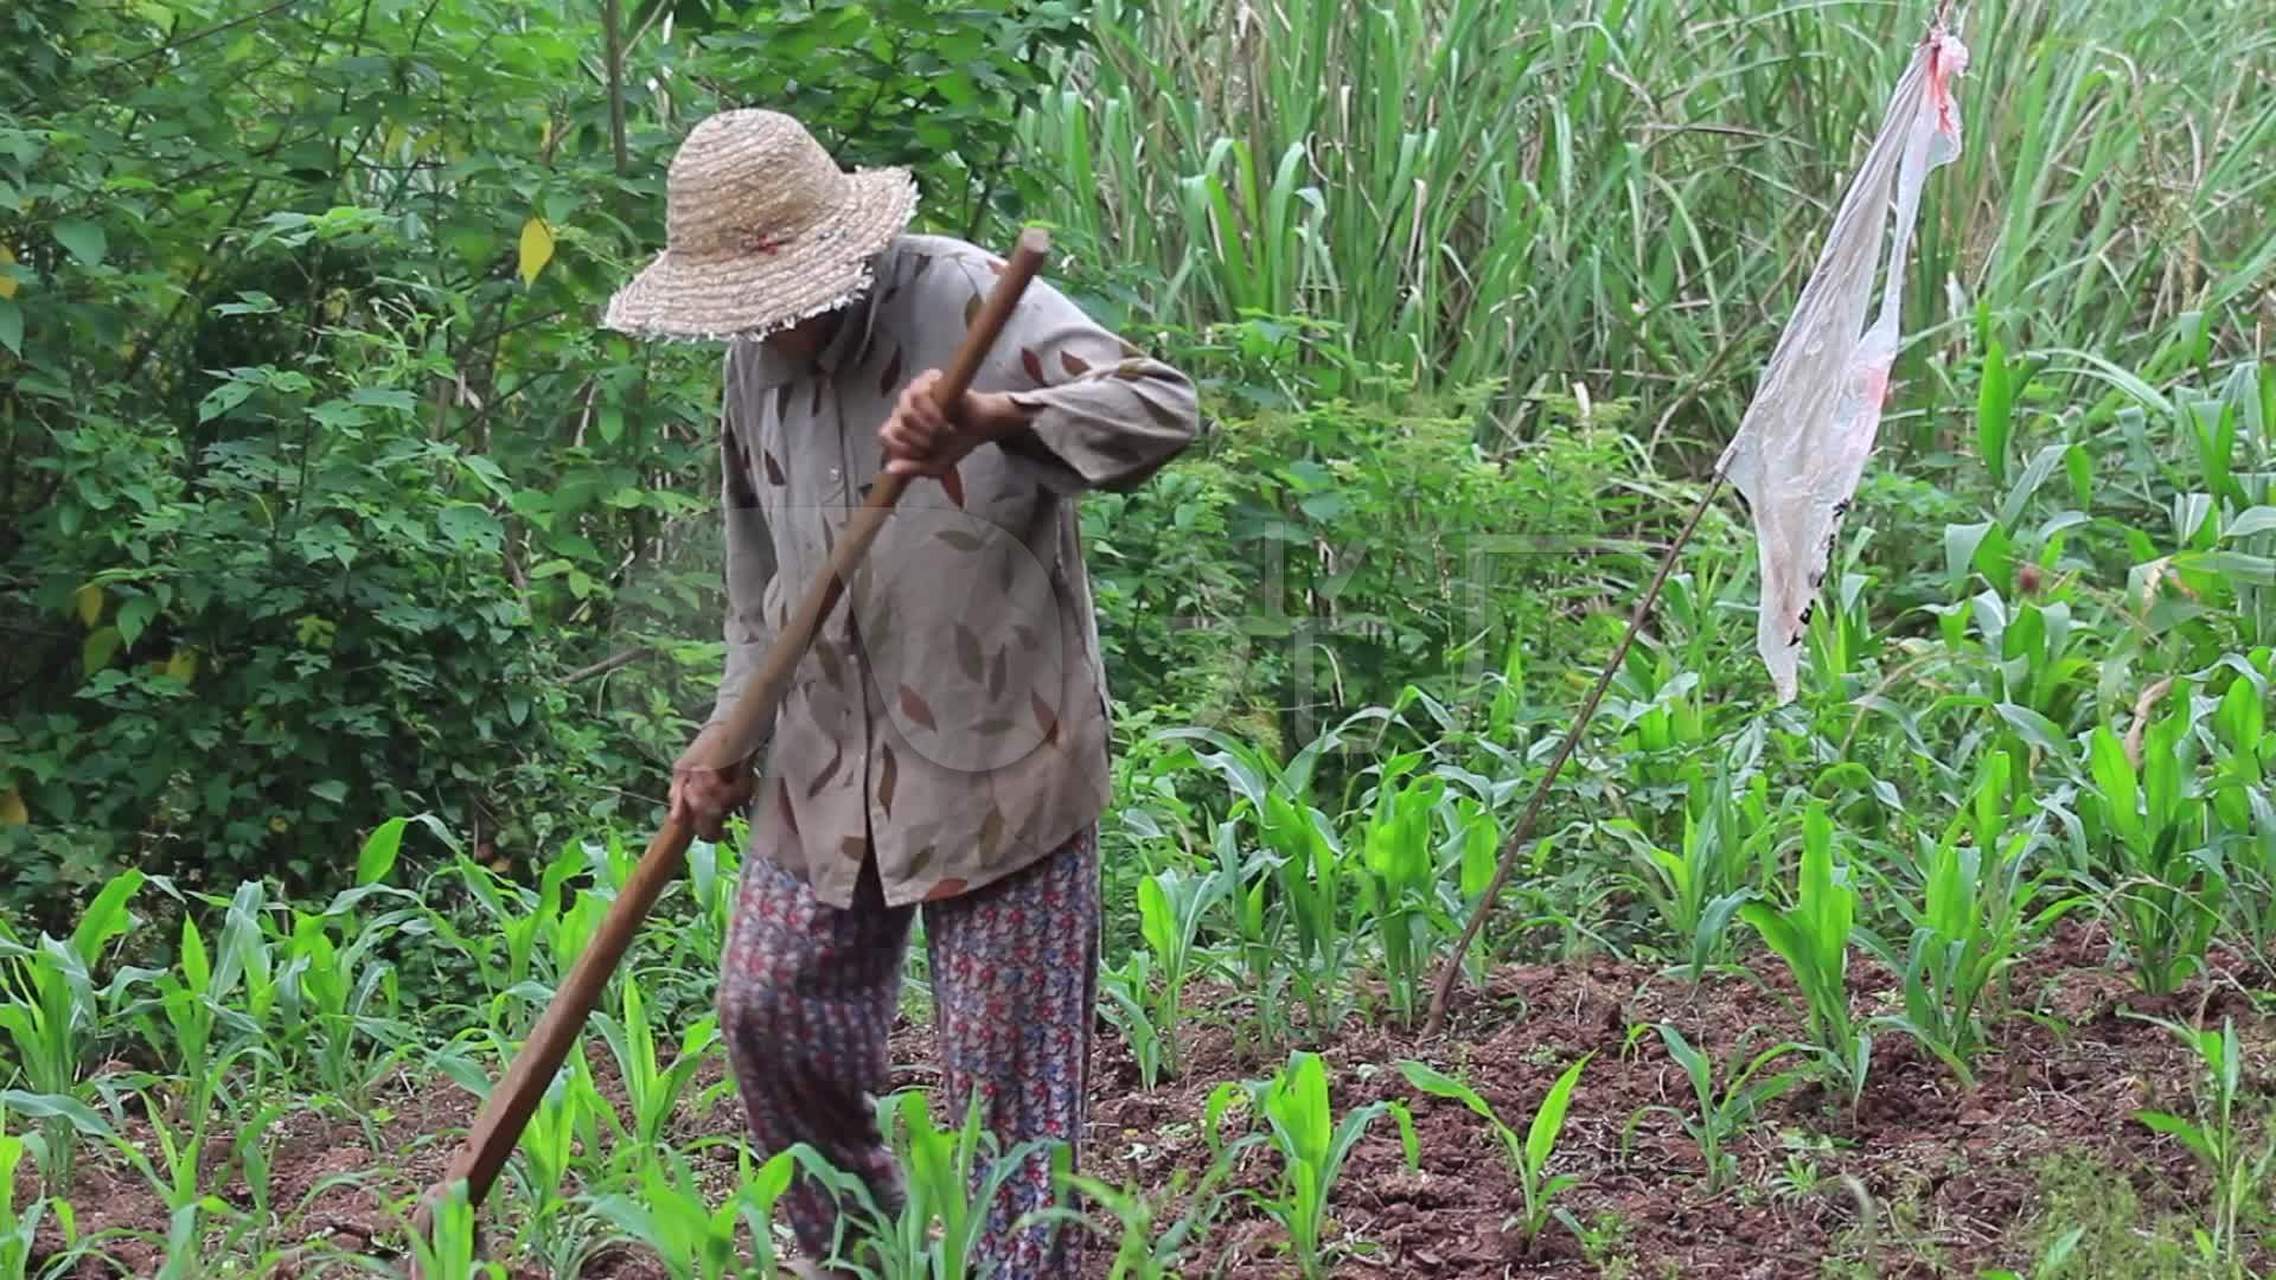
(1523, 833)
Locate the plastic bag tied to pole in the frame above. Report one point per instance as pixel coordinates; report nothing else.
(1802, 446)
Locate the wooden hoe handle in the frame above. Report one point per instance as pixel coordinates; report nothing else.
(499, 1125)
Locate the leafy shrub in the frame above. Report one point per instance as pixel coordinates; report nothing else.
(318, 482)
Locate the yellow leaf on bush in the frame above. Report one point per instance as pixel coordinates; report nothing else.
(537, 248)
(101, 647)
(89, 601)
(7, 277)
(183, 666)
(12, 811)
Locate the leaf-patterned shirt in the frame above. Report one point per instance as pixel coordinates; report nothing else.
(950, 719)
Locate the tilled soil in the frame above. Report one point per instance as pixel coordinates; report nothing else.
(1922, 1178)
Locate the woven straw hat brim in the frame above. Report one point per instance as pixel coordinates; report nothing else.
(751, 294)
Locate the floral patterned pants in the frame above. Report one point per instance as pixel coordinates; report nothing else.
(808, 996)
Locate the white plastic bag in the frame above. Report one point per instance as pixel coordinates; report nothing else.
(1803, 443)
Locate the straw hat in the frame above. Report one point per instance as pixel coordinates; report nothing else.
(762, 230)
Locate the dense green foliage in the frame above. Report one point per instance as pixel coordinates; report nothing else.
(318, 478)
(325, 504)
(320, 482)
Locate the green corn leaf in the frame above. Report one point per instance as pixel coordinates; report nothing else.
(2033, 727)
(1438, 1084)
(1156, 921)
(1549, 1118)
(1481, 842)
(2162, 763)
(380, 848)
(1410, 1142)
(2242, 721)
(106, 917)
(1776, 932)
(2249, 523)
(2189, 1134)
(1296, 1103)
(2226, 1058)
(56, 1106)
(1951, 889)
(2078, 466)
(1714, 924)
(1991, 797)
(197, 970)
(2114, 778)
(1828, 906)
(1693, 1062)
(1995, 410)
(242, 949)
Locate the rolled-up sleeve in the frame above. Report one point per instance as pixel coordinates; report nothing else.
(750, 559)
(1104, 415)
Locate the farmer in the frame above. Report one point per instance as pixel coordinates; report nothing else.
(943, 744)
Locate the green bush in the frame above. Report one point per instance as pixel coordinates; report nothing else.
(316, 481)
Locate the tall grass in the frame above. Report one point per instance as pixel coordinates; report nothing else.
(1626, 194)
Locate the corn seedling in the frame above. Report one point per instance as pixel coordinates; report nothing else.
(1812, 936)
(1171, 906)
(567, 1121)
(1720, 1112)
(1129, 990)
(1697, 889)
(250, 1144)
(2244, 749)
(174, 1174)
(333, 995)
(19, 1229)
(2215, 1135)
(1307, 869)
(671, 1214)
(448, 1250)
(1527, 1155)
(1476, 840)
(1309, 875)
(950, 1182)
(1146, 1248)
(1400, 887)
(2163, 889)
(516, 928)
(652, 1087)
(1975, 914)
(54, 1013)
(1256, 930)
(187, 1017)
(1660, 708)
(714, 871)
(1313, 1146)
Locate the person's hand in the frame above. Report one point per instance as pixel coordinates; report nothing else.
(702, 794)
(921, 440)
